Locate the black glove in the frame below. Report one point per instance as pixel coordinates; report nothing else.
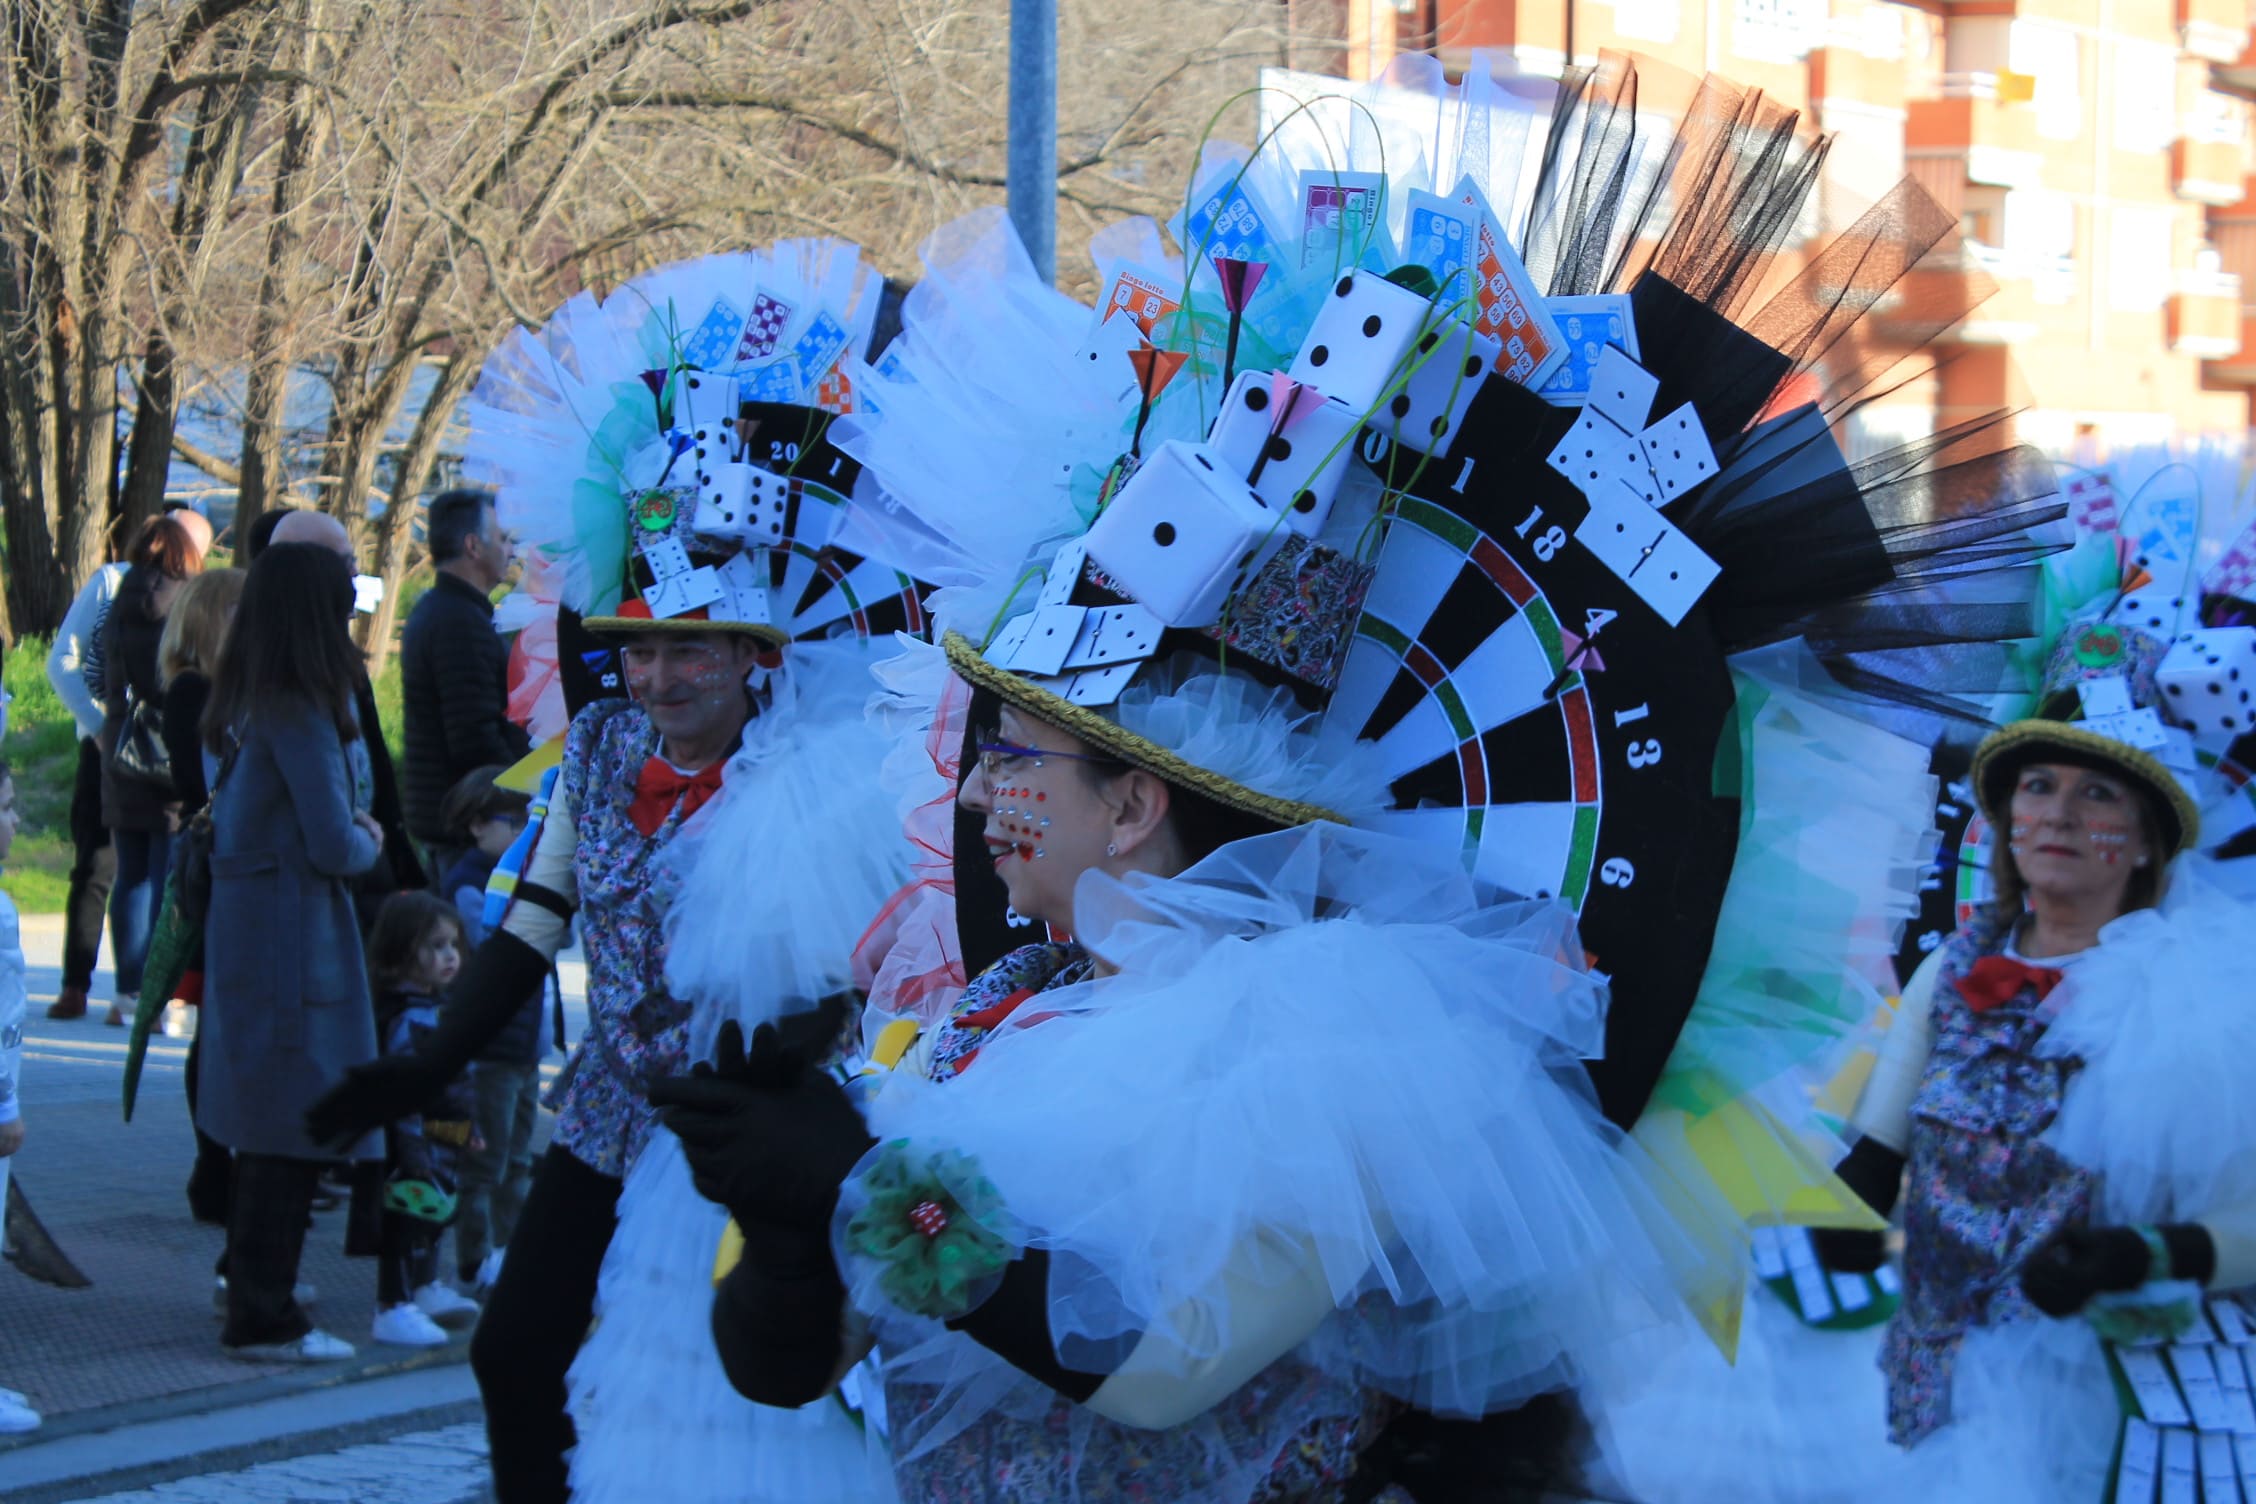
(2076, 1263)
(767, 1135)
(502, 973)
(1875, 1172)
(778, 1316)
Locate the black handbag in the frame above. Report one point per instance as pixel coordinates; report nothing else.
(139, 757)
(192, 853)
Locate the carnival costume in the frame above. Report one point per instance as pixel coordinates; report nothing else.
(660, 455)
(2043, 1106)
(1338, 529)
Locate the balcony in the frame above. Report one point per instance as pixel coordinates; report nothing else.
(2215, 31)
(2202, 316)
(1995, 139)
(2208, 171)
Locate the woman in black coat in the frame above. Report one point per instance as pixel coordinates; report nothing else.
(140, 806)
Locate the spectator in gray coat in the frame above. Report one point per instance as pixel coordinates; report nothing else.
(286, 1005)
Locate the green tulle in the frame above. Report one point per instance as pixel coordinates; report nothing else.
(941, 1275)
(2081, 582)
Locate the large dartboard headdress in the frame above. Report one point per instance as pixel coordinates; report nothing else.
(662, 455)
(1462, 425)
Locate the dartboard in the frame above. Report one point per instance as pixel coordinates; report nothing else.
(1593, 781)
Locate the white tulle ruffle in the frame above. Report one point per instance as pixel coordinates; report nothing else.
(2162, 1012)
(1801, 1418)
(654, 1411)
(780, 875)
(1323, 1052)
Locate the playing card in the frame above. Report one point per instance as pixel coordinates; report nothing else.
(1512, 309)
(1588, 325)
(2092, 504)
(1145, 296)
(713, 342)
(818, 349)
(1441, 238)
(1342, 218)
(763, 329)
(1224, 222)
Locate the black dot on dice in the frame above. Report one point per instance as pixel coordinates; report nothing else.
(1438, 427)
(1247, 559)
(1426, 341)
(1280, 448)
(1164, 534)
(1371, 327)
(1318, 354)
(1306, 502)
(1472, 366)
(1256, 399)
(1401, 405)
(1343, 287)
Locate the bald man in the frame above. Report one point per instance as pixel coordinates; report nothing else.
(317, 528)
(73, 668)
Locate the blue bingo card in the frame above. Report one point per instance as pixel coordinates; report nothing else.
(1589, 325)
(711, 344)
(780, 382)
(817, 350)
(1225, 218)
(1441, 240)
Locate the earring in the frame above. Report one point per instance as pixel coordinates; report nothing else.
(2140, 862)
(1111, 849)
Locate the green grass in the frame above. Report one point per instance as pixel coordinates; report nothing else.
(42, 750)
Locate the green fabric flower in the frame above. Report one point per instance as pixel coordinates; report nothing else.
(928, 1225)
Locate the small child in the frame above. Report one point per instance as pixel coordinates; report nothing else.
(414, 953)
(16, 1413)
(506, 1074)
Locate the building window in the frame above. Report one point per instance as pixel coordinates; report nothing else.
(2145, 96)
(2138, 259)
(1779, 30)
(2054, 57)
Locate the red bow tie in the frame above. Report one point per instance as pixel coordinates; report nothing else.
(661, 785)
(2000, 979)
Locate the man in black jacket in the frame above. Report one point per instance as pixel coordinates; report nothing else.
(454, 669)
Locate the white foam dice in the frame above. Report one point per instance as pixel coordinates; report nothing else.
(1623, 390)
(1184, 534)
(705, 399)
(2153, 609)
(1449, 365)
(1677, 449)
(742, 502)
(1649, 553)
(1364, 329)
(2208, 680)
(1306, 462)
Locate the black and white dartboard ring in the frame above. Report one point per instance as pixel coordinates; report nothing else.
(1601, 787)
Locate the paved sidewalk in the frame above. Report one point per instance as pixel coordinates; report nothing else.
(143, 1338)
(445, 1466)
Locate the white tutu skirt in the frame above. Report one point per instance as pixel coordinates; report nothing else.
(656, 1417)
(1801, 1418)
(1385, 1101)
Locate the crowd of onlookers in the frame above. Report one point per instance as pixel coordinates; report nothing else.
(320, 901)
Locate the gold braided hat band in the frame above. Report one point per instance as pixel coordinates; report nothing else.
(684, 626)
(2006, 751)
(1098, 731)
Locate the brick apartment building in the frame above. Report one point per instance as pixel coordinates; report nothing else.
(2097, 152)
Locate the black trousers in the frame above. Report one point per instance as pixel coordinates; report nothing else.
(266, 1233)
(93, 870)
(534, 1322)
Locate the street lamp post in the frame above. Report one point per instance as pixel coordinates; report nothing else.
(1033, 130)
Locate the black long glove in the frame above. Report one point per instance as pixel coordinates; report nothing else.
(502, 973)
(766, 1134)
(1875, 1172)
(778, 1315)
(2077, 1263)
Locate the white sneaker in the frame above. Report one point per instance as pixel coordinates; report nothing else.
(16, 1414)
(179, 1021)
(301, 1292)
(446, 1305)
(488, 1272)
(405, 1326)
(316, 1346)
